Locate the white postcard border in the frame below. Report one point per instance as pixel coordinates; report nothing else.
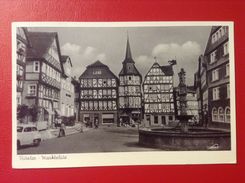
(124, 158)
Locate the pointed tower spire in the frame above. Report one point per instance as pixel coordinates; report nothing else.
(128, 50)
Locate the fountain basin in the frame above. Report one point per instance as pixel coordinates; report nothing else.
(194, 139)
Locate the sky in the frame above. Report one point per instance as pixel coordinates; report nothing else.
(86, 45)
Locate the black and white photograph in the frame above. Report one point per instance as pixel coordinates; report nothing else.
(120, 93)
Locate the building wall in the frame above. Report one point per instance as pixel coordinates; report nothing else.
(98, 93)
(104, 117)
(67, 97)
(130, 97)
(218, 79)
(158, 96)
(158, 119)
(21, 48)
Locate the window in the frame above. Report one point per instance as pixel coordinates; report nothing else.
(227, 115)
(226, 48)
(213, 38)
(170, 118)
(221, 114)
(215, 74)
(32, 89)
(155, 119)
(216, 93)
(213, 56)
(214, 114)
(36, 66)
(227, 70)
(228, 90)
(148, 118)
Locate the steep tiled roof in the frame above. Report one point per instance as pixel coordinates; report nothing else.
(212, 46)
(41, 42)
(128, 56)
(97, 66)
(129, 67)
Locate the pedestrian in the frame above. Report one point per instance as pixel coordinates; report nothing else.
(62, 130)
(96, 123)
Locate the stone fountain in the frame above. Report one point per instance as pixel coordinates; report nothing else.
(183, 137)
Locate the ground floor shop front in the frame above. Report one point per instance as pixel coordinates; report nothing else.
(158, 119)
(101, 117)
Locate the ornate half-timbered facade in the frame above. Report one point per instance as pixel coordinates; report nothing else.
(158, 95)
(43, 74)
(130, 96)
(98, 95)
(22, 44)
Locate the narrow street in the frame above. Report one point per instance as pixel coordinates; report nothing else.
(103, 139)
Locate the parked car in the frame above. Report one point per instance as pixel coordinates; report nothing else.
(27, 134)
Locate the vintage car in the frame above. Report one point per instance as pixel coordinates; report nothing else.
(27, 134)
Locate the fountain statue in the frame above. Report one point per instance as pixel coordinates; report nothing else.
(182, 93)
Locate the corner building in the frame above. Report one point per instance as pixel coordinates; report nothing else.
(43, 74)
(218, 77)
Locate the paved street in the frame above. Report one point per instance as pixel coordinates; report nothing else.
(103, 139)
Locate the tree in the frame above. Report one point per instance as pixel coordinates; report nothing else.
(33, 111)
(22, 111)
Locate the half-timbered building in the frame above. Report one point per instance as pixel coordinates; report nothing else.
(158, 95)
(43, 74)
(130, 96)
(22, 44)
(98, 95)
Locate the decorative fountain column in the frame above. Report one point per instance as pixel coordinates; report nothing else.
(182, 93)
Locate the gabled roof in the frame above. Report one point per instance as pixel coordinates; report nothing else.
(97, 65)
(128, 56)
(41, 42)
(166, 69)
(212, 46)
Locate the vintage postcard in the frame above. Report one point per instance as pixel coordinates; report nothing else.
(122, 93)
